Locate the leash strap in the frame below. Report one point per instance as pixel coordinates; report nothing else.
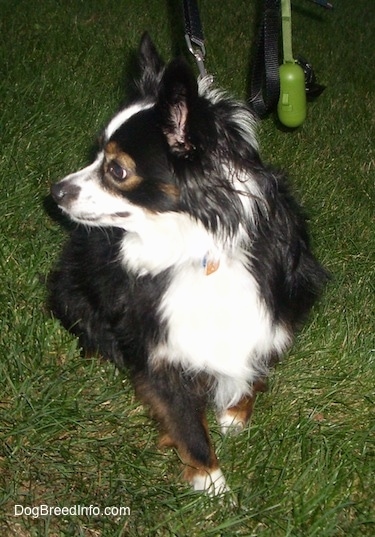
(194, 34)
(286, 21)
(265, 81)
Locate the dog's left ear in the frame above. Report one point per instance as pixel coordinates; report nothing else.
(177, 100)
(151, 67)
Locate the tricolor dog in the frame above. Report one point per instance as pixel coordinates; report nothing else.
(190, 264)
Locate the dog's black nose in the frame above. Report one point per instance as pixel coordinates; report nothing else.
(64, 192)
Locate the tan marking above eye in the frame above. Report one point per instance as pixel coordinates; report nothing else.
(113, 152)
(112, 148)
(116, 157)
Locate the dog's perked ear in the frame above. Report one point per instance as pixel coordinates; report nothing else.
(177, 100)
(151, 67)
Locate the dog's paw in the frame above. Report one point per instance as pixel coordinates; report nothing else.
(213, 483)
(230, 424)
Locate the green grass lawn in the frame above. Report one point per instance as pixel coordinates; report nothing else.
(71, 432)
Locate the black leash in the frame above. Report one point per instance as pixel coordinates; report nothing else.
(265, 80)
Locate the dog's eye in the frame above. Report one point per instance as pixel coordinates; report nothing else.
(117, 172)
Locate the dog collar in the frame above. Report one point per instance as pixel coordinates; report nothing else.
(210, 264)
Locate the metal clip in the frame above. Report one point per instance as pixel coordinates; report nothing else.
(198, 53)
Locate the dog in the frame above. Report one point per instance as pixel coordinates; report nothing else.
(190, 264)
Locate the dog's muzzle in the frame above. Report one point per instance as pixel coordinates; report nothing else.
(64, 193)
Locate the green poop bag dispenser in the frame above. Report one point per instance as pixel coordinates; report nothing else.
(291, 108)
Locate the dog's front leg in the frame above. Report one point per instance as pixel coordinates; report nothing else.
(180, 407)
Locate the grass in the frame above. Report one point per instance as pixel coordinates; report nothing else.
(71, 431)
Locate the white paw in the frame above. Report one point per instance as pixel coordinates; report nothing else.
(213, 483)
(230, 424)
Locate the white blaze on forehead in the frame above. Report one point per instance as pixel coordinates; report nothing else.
(123, 116)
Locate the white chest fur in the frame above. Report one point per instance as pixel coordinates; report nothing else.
(218, 323)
